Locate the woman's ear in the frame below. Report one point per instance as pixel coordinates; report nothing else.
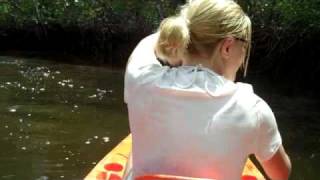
(225, 48)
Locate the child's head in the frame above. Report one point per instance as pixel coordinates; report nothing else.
(200, 26)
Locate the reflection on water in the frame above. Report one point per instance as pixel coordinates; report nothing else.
(57, 120)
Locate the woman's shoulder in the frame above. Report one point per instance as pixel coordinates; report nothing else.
(142, 57)
(246, 95)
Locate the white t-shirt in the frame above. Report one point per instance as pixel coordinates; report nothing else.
(190, 121)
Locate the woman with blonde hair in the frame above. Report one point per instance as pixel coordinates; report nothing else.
(190, 118)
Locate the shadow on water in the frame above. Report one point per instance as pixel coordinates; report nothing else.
(58, 120)
(298, 119)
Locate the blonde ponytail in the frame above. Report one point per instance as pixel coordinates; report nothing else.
(198, 28)
(174, 38)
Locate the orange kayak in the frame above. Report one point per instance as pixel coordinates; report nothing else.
(113, 165)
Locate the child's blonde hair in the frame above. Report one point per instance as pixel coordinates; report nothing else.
(199, 26)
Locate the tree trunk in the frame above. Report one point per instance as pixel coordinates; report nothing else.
(160, 10)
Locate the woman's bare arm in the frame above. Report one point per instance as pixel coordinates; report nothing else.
(279, 166)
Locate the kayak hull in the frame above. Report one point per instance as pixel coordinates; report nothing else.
(113, 165)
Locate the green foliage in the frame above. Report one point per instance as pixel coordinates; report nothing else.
(292, 15)
(46, 11)
(71, 12)
(286, 35)
(300, 14)
(280, 24)
(297, 16)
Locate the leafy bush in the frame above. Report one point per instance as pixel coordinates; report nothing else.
(286, 32)
(286, 36)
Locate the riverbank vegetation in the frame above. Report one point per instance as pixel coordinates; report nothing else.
(285, 40)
